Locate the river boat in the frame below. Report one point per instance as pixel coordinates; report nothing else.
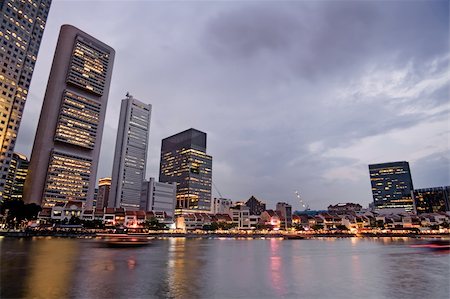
(123, 241)
(442, 244)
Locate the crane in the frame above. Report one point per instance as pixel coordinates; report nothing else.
(304, 205)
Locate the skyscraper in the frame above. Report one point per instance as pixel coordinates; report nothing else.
(22, 24)
(130, 156)
(66, 148)
(104, 187)
(158, 197)
(17, 173)
(432, 200)
(392, 186)
(185, 162)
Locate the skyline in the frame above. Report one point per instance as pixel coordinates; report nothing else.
(203, 60)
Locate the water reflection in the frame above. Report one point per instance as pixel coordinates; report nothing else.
(186, 268)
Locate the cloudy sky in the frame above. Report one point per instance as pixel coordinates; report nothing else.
(298, 95)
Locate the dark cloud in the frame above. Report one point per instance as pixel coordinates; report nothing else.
(288, 92)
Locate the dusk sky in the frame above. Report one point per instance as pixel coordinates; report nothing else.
(299, 95)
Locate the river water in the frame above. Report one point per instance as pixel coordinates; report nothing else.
(223, 268)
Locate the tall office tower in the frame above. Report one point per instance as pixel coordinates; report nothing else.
(17, 173)
(66, 148)
(158, 197)
(432, 200)
(22, 24)
(130, 156)
(185, 162)
(104, 187)
(391, 186)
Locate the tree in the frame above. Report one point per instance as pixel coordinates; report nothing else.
(17, 211)
(341, 227)
(154, 224)
(317, 227)
(211, 227)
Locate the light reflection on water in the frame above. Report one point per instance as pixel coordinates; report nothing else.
(225, 268)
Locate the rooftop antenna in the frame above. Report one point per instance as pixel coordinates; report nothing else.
(128, 95)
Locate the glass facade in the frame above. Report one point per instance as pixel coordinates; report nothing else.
(88, 67)
(392, 185)
(185, 162)
(67, 179)
(78, 120)
(17, 173)
(22, 24)
(432, 200)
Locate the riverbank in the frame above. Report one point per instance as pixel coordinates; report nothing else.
(75, 234)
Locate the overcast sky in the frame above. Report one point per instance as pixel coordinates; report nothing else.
(298, 95)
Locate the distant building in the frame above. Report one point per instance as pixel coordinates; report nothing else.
(432, 200)
(66, 149)
(22, 25)
(130, 156)
(15, 181)
(104, 187)
(285, 211)
(221, 206)
(240, 215)
(344, 208)
(256, 206)
(391, 186)
(158, 197)
(184, 161)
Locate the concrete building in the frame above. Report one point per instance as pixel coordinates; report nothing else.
(22, 24)
(256, 206)
(104, 187)
(221, 206)
(66, 148)
(240, 214)
(130, 156)
(285, 211)
(158, 197)
(17, 173)
(391, 187)
(184, 161)
(432, 200)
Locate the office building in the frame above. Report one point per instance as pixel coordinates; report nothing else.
(221, 206)
(391, 186)
(432, 200)
(158, 197)
(184, 161)
(16, 177)
(130, 156)
(66, 148)
(22, 24)
(256, 206)
(285, 211)
(104, 187)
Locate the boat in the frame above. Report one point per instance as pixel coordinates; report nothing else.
(442, 244)
(123, 241)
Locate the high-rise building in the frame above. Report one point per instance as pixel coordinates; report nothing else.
(16, 177)
(158, 197)
(432, 200)
(104, 187)
(22, 24)
(256, 206)
(66, 148)
(391, 186)
(185, 162)
(130, 156)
